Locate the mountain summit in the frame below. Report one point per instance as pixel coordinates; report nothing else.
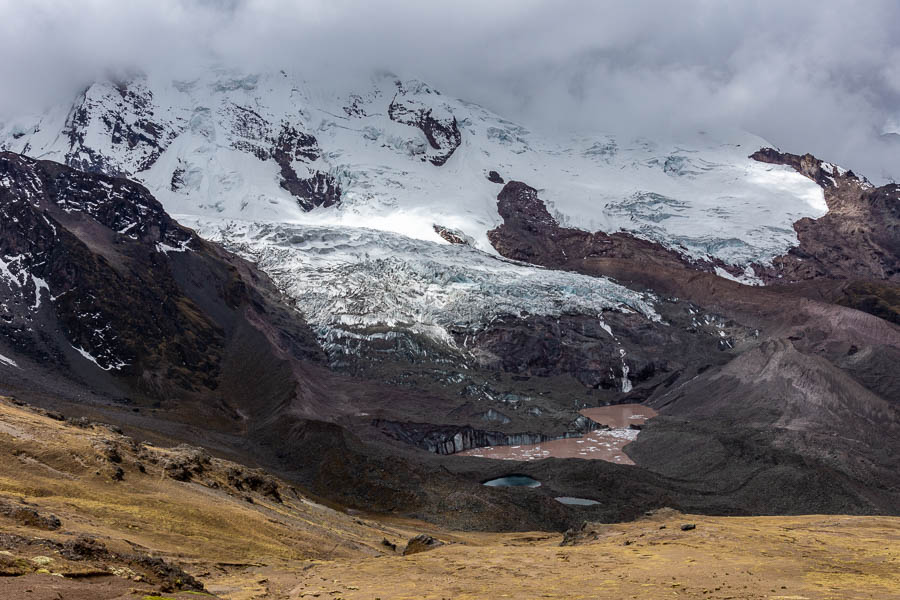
(397, 155)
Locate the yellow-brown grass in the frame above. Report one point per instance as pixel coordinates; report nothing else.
(301, 549)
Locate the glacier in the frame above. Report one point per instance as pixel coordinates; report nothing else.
(349, 281)
(205, 147)
(390, 165)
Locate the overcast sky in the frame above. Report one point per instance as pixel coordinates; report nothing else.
(819, 76)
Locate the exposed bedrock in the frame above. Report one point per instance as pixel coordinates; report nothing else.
(450, 439)
(442, 132)
(859, 237)
(454, 236)
(102, 283)
(529, 233)
(142, 136)
(622, 352)
(316, 189)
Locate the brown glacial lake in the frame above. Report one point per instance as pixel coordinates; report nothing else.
(596, 445)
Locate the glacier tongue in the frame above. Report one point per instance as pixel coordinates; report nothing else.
(346, 279)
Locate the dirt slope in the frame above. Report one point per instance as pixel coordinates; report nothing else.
(79, 519)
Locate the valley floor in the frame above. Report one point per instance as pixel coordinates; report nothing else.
(85, 513)
(770, 557)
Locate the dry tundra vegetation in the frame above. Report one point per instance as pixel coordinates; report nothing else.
(87, 513)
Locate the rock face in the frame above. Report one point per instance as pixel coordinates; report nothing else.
(96, 275)
(319, 189)
(641, 355)
(421, 543)
(441, 130)
(136, 129)
(94, 282)
(550, 245)
(859, 238)
(29, 517)
(448, 439)
(292, 150)
(135, 126)
(454, 236)
(494, 177)
(170, 577)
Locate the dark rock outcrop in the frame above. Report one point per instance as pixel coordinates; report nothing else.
(81, 245)
(581, 347)
(859, 237)
(389, 545)
(143, 137)
(494, 177)
(23, 514)
(186, 462)
(168, 576)
(318, 189)
(450, 439)
(99, 273)
(452, 235)
(286, 146)
(588, 532)
(421, 543)
(442, 133)
(550, 245)
(254, 480)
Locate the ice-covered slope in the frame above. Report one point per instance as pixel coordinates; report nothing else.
(360, 287)
(346, 279)
(398, 156)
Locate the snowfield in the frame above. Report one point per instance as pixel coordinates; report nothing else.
(204, 154)
(406, 160)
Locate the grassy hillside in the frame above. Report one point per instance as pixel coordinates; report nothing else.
(86, 512)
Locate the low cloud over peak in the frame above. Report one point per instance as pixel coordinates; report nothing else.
(821, 77)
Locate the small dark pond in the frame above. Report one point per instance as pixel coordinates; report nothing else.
(576, 501)
(514, 481)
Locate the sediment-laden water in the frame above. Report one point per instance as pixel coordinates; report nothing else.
(598, 445)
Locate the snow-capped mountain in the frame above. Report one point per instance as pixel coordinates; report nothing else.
(399, 156)
(458, 280)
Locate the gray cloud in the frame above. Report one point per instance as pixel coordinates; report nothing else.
(814, 76)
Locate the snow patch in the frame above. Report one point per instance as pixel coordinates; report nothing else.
(748, 277)
(22, 276)
(113, 367)
(39, 284)
(166, 248)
